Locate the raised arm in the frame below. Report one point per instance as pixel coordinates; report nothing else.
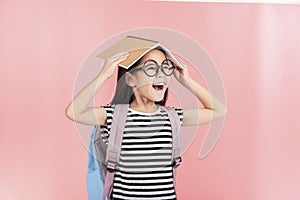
(214, 108)
(78, 109)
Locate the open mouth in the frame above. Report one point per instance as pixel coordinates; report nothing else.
(158, 86)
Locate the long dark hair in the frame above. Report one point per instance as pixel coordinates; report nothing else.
(124, 93)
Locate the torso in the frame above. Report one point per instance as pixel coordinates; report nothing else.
(145, 170)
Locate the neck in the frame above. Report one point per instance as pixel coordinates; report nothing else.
(143, 105)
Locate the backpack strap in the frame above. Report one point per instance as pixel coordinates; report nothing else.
(114, 145)
(175, 124)
(94, 177)
(93, 162)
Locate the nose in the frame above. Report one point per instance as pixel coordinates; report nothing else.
(160, 72)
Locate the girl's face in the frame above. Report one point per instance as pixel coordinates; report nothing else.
(146, 87)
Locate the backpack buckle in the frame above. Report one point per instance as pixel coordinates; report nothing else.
(176, 162)
(111, 166)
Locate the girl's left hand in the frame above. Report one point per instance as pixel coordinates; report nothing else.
(182, 75)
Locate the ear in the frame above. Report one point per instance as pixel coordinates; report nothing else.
(130, 79)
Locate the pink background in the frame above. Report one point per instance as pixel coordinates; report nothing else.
(254, 46)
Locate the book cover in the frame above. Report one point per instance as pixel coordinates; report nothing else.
(137, 48)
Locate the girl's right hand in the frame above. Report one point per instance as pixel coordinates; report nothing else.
(111, 63)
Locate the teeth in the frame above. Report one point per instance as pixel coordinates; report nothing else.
(159, 84)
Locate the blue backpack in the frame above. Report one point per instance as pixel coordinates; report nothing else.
(104, 158)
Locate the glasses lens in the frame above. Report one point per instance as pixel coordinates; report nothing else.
(168, 67)
(150, 68)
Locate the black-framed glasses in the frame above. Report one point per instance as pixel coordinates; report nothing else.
(151, 67)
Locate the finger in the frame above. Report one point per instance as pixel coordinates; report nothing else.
(120, 59)
(119, 55)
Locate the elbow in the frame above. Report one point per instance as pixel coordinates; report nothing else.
(222, 111)
(69, 113)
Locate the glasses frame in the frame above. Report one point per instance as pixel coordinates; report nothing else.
(158, 67)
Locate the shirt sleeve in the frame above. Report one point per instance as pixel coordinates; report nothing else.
(179, 112)
(109, 114)
(105, 129)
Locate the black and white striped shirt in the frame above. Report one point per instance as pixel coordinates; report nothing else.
(145, 170)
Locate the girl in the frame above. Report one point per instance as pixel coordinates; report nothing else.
(145, 170)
